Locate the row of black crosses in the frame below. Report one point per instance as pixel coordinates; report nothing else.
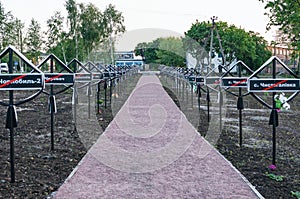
(240, 76)
(58, 74)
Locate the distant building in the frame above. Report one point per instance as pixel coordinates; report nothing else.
(128, 58)
(284, 53)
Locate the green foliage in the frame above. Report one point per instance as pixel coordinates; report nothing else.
(56, 36)
(100, 102)
(34, 41)
(55, 30)
(296, 194)
(274, 177)
(86, 29)
(168, 51)
(285, 14)
(73, 22)
(148, 51)
(196, 40)
(113, 21)
(112, 24)
(236, 42)
(90, 26)
(10, 29)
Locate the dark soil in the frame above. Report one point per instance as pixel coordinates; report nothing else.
(38, 170)
(255, 155)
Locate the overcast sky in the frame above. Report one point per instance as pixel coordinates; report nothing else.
(175, 16)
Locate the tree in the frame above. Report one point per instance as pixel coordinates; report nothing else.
(34, 40)
(168, 51)
(3, 25)
(113, 21)
(285, 14)
(73, 20)
(148, 51)
(8, 28)
(18, 34)
(112, 24)
(236, 43)
(56, 36)
(196, 41)
(90, 27)
(171, 52)
(261, 52)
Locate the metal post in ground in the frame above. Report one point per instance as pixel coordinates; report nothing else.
(208, 102)
(240, 107)
(98, 97)
(51, 108)
(275, 116)
(105, 93)
(11, 123)
(192, 96)
(110, 90)
(220, 108)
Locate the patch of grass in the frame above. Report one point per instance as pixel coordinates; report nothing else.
(296, 194)
(274, 177)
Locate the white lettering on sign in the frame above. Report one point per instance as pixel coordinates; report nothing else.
(21, 81)
(56, 79)
(279, 85)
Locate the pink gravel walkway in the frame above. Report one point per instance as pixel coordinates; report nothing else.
(150, 150)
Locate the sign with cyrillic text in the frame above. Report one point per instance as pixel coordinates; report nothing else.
(21, 81)
(59, 78)
(238, 82)
(273, 85)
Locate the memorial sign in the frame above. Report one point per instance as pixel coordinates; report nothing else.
(59, 78)
(273, 85)
(21, 81)
(83, 77)
(238, 82)
(200, 80)
(212, 81)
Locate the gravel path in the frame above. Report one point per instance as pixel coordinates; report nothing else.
(150, 150)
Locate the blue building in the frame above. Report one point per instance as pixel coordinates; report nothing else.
(128, 58)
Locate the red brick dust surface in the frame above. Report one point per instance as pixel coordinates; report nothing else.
(150, 150)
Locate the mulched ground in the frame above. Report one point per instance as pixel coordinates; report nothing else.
(39, 171)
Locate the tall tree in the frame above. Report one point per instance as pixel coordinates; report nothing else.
(90, 27)
(18, 34)
(73, 20)
(112, 24)
(11, 30)
(2, 26)
(34, 40)
(6, 28)
(196, 41)
(56, 35)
